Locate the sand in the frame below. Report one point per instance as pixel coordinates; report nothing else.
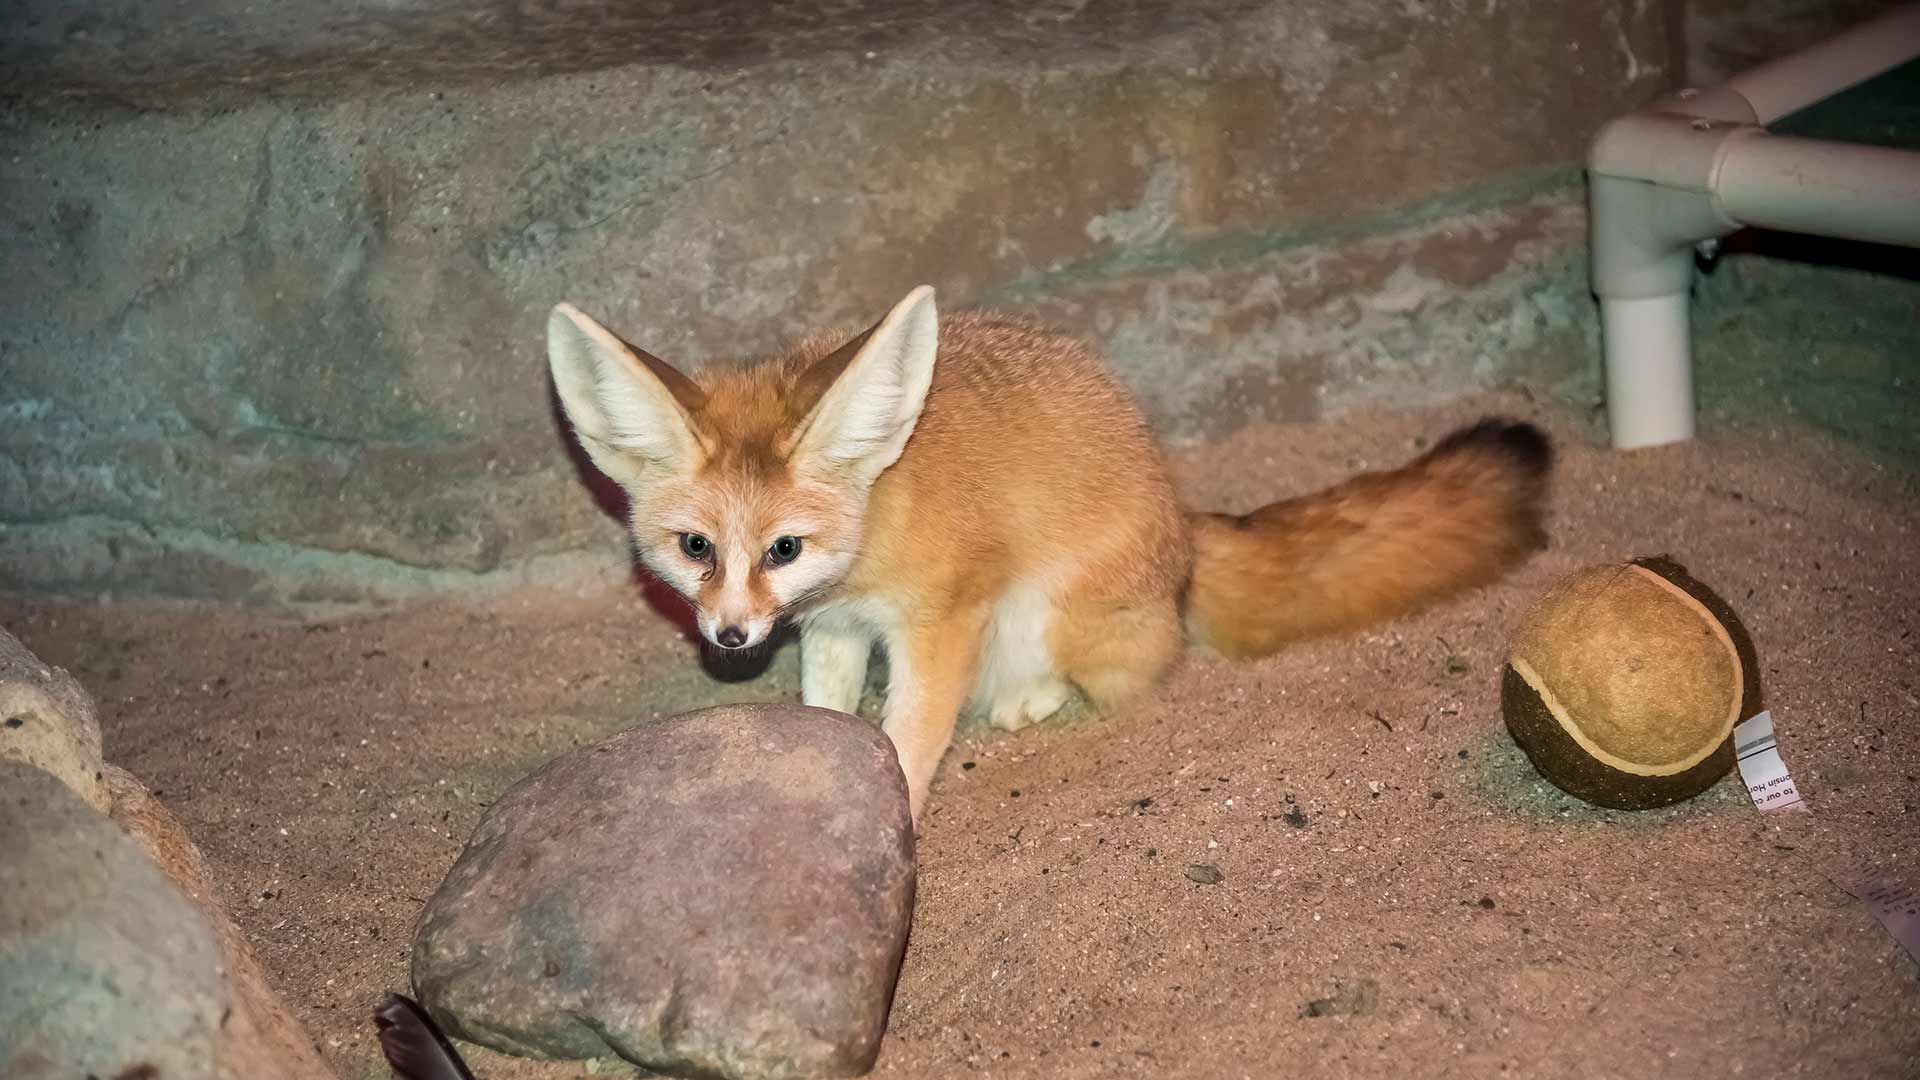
(1398, 893)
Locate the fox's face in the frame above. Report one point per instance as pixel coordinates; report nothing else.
(745, 541)
(748, 487)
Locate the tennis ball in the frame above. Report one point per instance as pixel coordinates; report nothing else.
(1623, 684)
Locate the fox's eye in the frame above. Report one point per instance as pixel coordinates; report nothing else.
(784, 550)
(696, 547)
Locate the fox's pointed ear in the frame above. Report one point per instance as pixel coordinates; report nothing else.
(874, 389)
(631, 410)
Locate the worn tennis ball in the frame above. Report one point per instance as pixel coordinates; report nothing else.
(1623, 684)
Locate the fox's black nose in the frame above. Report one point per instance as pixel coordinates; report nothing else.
(732, 637)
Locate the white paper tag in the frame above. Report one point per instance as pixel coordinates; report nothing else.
(1896, 906)
(1760, 765)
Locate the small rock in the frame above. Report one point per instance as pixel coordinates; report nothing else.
(1359, 999)
(1295, 817)
(48, 721)
(725, 892)
(1205, 874)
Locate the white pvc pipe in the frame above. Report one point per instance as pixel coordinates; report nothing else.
(1649, 370)
(1844, 190)
(1698, 165)
(1792, 83)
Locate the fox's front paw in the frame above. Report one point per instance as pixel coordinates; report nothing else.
(917, 792)
(919, 784)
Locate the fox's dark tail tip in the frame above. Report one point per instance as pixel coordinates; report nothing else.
(1525, 445)
(1378, 546)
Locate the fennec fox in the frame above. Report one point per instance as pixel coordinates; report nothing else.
(985, 501)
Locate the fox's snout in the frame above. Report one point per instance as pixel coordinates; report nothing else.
(734, 630)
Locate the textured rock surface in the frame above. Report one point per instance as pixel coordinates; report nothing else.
(161, 53)
(259, 1037)
(115, 950)
(1722, 38)
(722, 892)
(107, 967)
(334, 303)
(47, 720)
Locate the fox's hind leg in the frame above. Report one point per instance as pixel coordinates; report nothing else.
(1019, 682)
(1116, 651)
(1019, 706)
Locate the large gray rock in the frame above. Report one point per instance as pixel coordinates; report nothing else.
(259, 1036)
(47, 720)
(726, 892)
(107, 967)
(109, 912)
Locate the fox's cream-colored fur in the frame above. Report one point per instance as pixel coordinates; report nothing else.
(982, 499)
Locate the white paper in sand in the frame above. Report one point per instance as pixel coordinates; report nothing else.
(1896, 906)
(1760, 766)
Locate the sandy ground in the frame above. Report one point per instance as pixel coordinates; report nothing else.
(1401, 894)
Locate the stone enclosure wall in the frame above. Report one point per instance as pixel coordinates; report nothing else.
(271, 313)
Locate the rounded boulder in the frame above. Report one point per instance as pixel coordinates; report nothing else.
(724, 892)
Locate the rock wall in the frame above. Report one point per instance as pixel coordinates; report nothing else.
(1721, 38)
(271, 327)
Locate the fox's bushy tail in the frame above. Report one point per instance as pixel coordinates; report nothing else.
(1379, 545)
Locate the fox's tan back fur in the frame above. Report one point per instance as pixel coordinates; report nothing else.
(996, 515)
(1030, 461)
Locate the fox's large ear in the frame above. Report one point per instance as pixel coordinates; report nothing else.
(630, 410)
(878, 384)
